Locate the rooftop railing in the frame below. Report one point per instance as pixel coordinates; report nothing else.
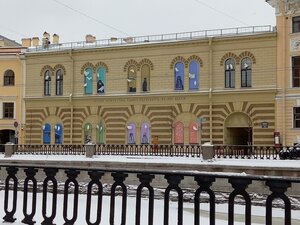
(114, 41)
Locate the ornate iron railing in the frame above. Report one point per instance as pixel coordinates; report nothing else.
(220, 151)
(203, 184)
(154, 38)
(246, 152)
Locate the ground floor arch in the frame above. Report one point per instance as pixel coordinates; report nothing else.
(238, 129)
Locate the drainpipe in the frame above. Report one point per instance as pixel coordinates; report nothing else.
(71, 95)
(210, 87)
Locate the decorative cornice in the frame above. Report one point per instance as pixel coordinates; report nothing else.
(196, 58)
(59, 66)
(229, 55)
(101, 64)
(87, 65)
(249, 55)
(45, 68)
(129, 63)
(179, 59)
(147, 62)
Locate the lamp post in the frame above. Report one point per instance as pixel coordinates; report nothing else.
(16, 125)
(200, 121)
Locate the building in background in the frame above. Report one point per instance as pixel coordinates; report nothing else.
(187, 88)
(11, 91)
(288, 70)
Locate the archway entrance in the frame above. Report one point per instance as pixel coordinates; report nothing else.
(238, 130)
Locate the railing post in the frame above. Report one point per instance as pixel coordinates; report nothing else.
(9, 215)
(9, 149)
(30, 173)
(207, 151)
(278, 188)
(90, 150)
(204, 186)
(50, 176)
(145, 180)
(119, 179)
(72, 175)
(173, 181)
(95, 180)
(239, 186)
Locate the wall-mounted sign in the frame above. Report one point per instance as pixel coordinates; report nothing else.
(264, 124)
(295, 44)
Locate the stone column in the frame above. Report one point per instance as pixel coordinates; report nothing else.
(207, 151)
(90, 150)
(9, 149)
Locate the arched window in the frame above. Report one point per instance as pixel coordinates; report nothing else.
(145, 75)
(58, 133)
(246, 73)
(193, 130)
(179, 133)
(46, 133)
(229, 73)
(194, 75)
(179, 76)
(131, 79)
(88, 81)
(9, 78)
(145, 133)
(131, 132)
(101, 80)
(88, 132)
(59, 82)
(47, 83)
(100, 133)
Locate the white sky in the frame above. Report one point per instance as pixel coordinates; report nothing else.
(73, 19)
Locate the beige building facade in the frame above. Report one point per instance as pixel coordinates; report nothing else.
(12, 119)
(288, 70)
(204, 88)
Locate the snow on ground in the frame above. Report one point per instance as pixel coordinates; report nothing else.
(258, 213)
(288, 164)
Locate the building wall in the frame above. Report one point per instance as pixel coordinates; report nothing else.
(287, 96)
(10, 60)
(162, 107)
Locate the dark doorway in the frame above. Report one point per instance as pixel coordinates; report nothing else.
(6, 136)
(239, 136)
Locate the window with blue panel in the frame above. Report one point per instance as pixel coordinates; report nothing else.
(101, 78)
(88, 81)
(145, 133)
(46, 133)
(194, 75)
(131, 133)
(58, 133)
(179, 76)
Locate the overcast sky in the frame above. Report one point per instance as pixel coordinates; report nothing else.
(73, 19)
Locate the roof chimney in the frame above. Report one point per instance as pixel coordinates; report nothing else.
(55, 39)
(26, 42)
(35, 41)
(46, 35)
(90, 38)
